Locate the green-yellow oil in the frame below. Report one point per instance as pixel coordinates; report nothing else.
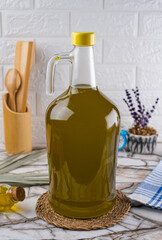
(6, 200)
(82, 128)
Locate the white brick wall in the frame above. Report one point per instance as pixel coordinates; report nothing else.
(133, 5)
(149, 77)
(133, 51)
(16, 4)
(115, 24)
(70, 4)
(128, 49)
(151, 25)
(35, 23)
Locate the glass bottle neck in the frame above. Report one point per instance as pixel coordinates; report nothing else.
(83, 70)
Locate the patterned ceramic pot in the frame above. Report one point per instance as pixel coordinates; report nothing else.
(141, 144)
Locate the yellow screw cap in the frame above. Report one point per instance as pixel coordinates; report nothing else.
(83, 38)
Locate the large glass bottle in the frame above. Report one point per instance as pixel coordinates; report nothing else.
(82, 128)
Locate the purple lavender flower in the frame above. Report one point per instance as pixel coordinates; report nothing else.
(140, 115)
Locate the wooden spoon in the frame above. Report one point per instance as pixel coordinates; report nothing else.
(12, 83)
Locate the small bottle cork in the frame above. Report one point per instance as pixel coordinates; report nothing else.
(18, 193)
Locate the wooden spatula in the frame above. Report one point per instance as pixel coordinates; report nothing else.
(23, 63)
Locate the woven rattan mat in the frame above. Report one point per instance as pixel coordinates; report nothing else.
(119, 211)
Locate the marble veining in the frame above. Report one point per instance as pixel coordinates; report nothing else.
(141, 222)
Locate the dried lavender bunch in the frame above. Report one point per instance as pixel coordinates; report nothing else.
(141, 116)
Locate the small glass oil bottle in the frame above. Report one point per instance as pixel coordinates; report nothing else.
(9, 196)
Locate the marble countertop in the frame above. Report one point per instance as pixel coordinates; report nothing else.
(141, 222)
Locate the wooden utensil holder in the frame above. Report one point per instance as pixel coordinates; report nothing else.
(17, 129)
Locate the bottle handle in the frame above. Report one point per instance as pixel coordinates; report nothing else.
(51, 69)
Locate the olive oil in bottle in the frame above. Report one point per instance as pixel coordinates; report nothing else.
(82, 128)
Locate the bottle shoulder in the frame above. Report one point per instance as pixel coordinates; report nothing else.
(111, 103)
(56, 101)
(85, 102)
